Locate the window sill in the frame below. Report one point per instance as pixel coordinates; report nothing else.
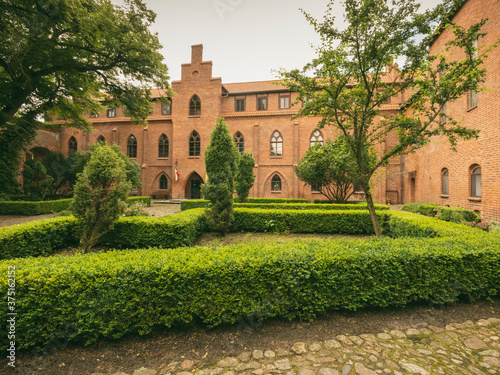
(197, 116)
(159, 158)
(444, 195)
(193, 157)
(475, 199)
(285, 108)
(276, 156)
(471, 108)
(315, 192)
(276, 192)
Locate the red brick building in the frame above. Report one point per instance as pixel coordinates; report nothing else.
(259, 117)
(470, 177)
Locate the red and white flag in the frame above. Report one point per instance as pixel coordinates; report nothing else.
(176, 174)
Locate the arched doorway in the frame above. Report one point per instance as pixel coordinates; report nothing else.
(193, 187)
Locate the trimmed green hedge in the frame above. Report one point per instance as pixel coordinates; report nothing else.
(146, 200)
(107, 295)
(453, 214)
(457, 215)
(309, 206)
(45, 237)
(197, 203)
(33, 208)
(38, 238)
(305, 221)
(47, 207)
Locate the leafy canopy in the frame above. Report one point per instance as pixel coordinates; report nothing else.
(330, 169)
(61, 56)
(354, 75)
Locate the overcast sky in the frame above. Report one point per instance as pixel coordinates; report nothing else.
(245, 39)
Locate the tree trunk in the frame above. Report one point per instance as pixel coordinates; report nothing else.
(373, 215)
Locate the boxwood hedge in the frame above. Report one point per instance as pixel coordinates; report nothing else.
(107, 295)
(45, 237)
(197, 203)
(46, 207)
(309, 206)
(457, 215)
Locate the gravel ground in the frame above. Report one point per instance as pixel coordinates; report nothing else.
(156, 210)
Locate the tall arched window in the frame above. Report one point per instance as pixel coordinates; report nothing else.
(240, 142)
(163, 147)
(194, 144)
(475, 182)
(316, 138)
(163, 182)
(72, 145)
(132, 147)
(101, 139)
(276, 144)
(445, 182)
(276, 183)
(195, 106)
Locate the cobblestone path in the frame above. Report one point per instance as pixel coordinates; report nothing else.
(465, 348)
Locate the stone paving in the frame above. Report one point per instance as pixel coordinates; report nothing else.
(465, 348)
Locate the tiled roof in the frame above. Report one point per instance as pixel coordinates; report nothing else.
(156, 93)
(258, 86)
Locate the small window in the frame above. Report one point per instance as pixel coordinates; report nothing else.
(166, 109)
(472, 99)
(276, 144)
(163, 147)
(276, 183)
(195, 106)
(476, 182)
(94, 115)
(261, 103)
(240, 142)
(163, 182)
(445, 182)
(72, 145)
(101, 139)
(194, 144)
(239, 104)
(284, 101)
(316, 138)
(132, 147)
(316, 187)
(111, 112)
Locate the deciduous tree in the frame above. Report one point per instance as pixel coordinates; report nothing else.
(61, 56)
(350, 83)
(330, 169)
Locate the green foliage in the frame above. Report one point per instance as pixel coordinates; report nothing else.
(244, 177)
(100, 194)
(45, 237)
(38, 238)
(197, 203)
(59, 57)
(458, 215)
(350, 84)
(33, 208)
(221, 164)
(110, 295)
(305, 221)
(145, 200)
(63, 171)
(136, 209)
(330, 169)
(36, 182)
